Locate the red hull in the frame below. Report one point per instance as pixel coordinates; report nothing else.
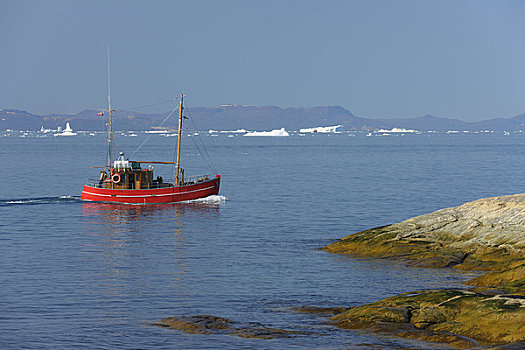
(153, 196)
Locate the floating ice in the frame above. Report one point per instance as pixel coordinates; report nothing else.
(276, 132)
(68, 131)
(396, 130)
(238, 131)
(156, 131)
(322, 129)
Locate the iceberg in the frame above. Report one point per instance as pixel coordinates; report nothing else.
(322, 129)
(275, 132)
(396, 130)
(238, 131)
(68, 131)
(156, 131)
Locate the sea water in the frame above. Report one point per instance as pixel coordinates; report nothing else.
(80, 275)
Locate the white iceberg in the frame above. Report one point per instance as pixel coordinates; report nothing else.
(396, 130)
(68, 131)
(156, 131)
(322, 129)
(276, 132)
(238, 131)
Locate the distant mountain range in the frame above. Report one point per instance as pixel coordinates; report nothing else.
(232, 117)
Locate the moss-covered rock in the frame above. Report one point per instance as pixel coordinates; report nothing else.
(454, 314)
(487, 234)
(511, 280)
(426, 316)
(206, 324)
(198, 324)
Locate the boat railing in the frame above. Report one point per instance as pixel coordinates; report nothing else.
(131, 186)
(164, 184)
(197, 179)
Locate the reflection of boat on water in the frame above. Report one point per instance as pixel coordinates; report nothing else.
(121, 213)
(131, 241)
(125, 181)
(192, 206)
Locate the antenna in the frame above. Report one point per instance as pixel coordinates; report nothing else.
(109, 81)
(111, 144)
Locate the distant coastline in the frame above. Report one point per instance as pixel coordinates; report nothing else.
(233, 117)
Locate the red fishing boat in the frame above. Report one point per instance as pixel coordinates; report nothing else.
(127, 181)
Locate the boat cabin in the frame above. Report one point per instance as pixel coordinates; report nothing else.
(129, 175)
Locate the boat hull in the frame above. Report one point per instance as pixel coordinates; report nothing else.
(153, 196)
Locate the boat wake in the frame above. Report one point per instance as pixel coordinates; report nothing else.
(213, 199)
(38, 200)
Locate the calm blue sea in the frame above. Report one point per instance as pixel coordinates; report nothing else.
(77, 275)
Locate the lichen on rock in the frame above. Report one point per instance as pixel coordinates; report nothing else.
(487, 234)
(207, 324)
(482, 318)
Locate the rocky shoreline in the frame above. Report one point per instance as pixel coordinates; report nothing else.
(487, 234)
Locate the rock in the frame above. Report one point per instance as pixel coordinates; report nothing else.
(511, 280)
(262, 332)
(206, 324)
(487, 234)
(444, 314)
(426, 316)
(199, 324)
(454, 340)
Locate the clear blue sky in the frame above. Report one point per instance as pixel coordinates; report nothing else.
(379, 59)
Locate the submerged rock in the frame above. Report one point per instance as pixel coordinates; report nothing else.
(199, 324)
(206, 324)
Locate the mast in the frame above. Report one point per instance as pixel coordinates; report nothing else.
(177, 171)
(110, 126)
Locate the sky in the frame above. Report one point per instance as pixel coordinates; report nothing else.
(377, 58)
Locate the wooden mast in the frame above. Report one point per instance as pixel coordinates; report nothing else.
(178, 179)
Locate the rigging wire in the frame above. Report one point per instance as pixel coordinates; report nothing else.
(151, 105)
(207, 158)
(203, 152)
(147, 138)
